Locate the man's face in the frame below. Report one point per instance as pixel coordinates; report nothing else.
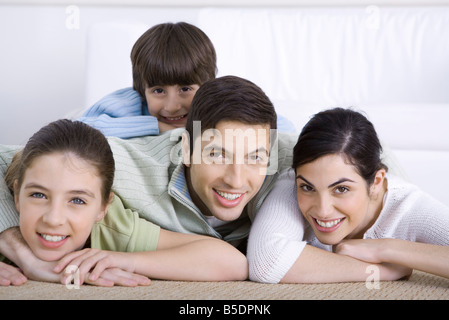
(227, 168)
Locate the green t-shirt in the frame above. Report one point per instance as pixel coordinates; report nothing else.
(123, 230)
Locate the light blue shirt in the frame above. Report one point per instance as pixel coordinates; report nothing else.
(124, 114)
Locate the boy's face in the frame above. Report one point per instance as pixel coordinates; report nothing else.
(170, 104)
(58, 203)
(229, 169)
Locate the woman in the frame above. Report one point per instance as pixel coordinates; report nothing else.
(338, 196)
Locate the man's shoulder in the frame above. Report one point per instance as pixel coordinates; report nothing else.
(282, 152)
(287, 140)
(152, 146)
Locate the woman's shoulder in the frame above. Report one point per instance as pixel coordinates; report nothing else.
(409, 213)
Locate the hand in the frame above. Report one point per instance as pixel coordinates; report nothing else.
(100, 267)
(17, 250)
(391, 272)
(369, 250)
(11, 275)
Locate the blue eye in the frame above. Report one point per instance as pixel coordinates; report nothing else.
(38, 195)
(78, 201)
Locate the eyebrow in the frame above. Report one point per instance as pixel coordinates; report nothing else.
(33, 185)
(220, 147)
(330, 186)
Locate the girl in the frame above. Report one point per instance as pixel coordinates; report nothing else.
(338, 195)
(62, 183)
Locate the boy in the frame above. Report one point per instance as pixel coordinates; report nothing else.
(169, 63)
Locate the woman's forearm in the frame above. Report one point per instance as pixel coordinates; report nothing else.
(421, 256)
(316, 265)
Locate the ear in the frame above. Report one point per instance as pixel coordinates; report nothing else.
(185, 144)
(378, 183)
(103, 212)
(16, 195)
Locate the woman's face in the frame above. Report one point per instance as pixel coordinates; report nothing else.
(336, 200)
(58, 203)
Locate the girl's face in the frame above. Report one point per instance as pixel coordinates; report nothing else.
(170, 104)
(336, 200)
(58, 203)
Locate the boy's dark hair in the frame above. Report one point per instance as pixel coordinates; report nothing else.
(68, 136)
(172, 53)
(229, 98)
(341, 131)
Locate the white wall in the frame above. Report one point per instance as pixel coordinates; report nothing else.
(43, 61)
(43, 71)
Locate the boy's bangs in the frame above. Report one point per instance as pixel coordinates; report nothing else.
(171, 72)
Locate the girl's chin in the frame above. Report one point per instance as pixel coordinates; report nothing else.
(49, 256)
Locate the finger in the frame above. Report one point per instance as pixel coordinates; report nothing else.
(71, 273)
(99, 268)
(101, 282)
(141, 280)
(11, 275)
(18, 279)
(68, 259)
(125, 278)
(87, 261)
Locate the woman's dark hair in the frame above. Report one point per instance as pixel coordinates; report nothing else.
(66, 136)
(172, 53)
(341, 131)
(229, 98)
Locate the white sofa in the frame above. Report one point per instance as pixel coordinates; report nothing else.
(390, 62)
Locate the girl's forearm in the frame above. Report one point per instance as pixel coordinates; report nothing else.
(201, 260)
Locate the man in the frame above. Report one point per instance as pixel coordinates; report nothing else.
(209, 179)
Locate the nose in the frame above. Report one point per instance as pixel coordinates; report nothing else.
(234, 176)
(173, 102)
(323, 207)
(55, 214)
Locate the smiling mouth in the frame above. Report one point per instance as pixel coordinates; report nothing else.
(174, 119)
(229, 196)
(52, 238)
(328, 225)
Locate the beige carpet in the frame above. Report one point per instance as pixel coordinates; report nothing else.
(419, 286)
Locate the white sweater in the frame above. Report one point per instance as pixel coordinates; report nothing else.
(279, 232)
